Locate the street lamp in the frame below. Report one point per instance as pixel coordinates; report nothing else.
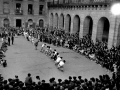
(115, 10)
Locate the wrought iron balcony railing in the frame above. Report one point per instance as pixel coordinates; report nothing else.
(60, 3)
(18, 12)
(41, 0)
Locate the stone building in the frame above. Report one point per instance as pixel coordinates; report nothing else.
(86, 17)
(92, 17)
(23, 13)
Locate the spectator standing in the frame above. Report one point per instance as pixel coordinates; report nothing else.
(28, 80)
(37, 80)
(12, 38)
(36, 44)
(9, 40)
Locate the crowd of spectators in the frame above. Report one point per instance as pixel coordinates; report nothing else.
(98, 52)
(104, 82)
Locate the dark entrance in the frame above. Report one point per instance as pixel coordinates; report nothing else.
(41, 23)
(18, 22)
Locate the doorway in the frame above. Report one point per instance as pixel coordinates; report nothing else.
(18, 23)
(41, 23)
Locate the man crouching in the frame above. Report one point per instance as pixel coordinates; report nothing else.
(61, 65)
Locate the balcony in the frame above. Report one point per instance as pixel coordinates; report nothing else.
(18, 0)
(18, 12)
(71, 3)
(30, 12)
(41, 0)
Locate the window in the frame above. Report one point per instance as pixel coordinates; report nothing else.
(30, 9)
(41, 9)
(18, 5)
(19, 11)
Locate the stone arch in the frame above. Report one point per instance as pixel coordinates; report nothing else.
(6, 22)
(76, 24)
(103, 29)
(41, 23)
(29, 23)
(61, 21)
(87, 26)
(56, 20)
(51, 19)
(67, 23)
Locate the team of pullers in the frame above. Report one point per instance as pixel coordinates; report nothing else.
(54, 55)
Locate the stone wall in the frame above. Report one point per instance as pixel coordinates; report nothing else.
(95, 14)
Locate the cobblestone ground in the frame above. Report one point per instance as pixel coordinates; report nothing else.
(22, 58)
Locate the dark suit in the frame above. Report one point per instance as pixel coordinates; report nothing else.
(28, 81)
(9, 41)
(12, 38)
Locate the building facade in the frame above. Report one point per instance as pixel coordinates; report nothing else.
(23, 13)
(92, 17)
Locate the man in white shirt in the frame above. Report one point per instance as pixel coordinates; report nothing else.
(58, 60)
(43, 47)
(61, 64)
(37, 80)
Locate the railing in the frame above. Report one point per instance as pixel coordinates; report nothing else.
(41, 0)
(18, 0)
(80, 2)
(30, 12)
(18, 12)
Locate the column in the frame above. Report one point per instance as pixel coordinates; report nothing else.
(25, 7)
(36, 7)
(112, 37)
(58, 22)
(64, 22)
(12, 7)
(81, 28)
(1, 6)
(94, 31)
(116, 33)
(71, 27)
(54, 20)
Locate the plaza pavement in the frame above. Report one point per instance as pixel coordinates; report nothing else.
(22, 58)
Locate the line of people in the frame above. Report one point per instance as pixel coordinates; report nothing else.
(3, 49)
(7, 38)
(54, 55)
(97, 52)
